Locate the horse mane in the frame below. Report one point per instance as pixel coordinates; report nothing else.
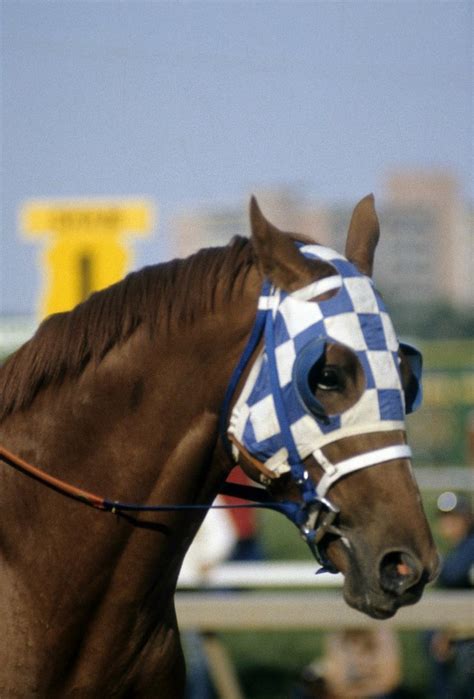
(65, 343)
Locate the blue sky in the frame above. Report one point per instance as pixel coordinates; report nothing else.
(201, 102)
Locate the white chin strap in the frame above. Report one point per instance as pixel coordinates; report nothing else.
(333, 472)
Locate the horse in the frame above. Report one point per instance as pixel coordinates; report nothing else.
(128, 395)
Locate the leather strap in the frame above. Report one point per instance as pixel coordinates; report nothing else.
(333, 472)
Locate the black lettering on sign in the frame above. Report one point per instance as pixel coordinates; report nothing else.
(85, 264)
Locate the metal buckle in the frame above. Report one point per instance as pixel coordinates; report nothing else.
(321, 514)
(319, 522)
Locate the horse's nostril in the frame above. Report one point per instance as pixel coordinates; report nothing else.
(399, 571)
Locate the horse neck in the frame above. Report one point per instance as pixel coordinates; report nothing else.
(148, 404)
(140, 426)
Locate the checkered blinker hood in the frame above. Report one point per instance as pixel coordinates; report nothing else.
(277, 417)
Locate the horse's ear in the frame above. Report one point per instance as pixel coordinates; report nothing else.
(277, 255)
(363, 235)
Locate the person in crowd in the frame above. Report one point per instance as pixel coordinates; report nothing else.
(356, 664)
(451, 650)
(212, 545)
(225, 535)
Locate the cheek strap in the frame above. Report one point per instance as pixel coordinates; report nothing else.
(333, 472)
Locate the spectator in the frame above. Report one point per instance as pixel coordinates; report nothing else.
(212, 545)
(451, 650)
(356, 664)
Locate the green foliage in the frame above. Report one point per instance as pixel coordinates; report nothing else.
(270, 664)
(433, 321)
(448, 354)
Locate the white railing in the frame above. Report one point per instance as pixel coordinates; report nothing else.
(296, 610)
(221, 605)
(264, 574)
(244, 605)
(445, 478)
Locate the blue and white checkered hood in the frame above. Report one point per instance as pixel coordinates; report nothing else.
(356, 317)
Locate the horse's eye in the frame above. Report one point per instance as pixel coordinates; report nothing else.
(330, 379)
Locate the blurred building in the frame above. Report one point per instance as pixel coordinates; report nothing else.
(426, 248)
(286, 207)
(448, 238)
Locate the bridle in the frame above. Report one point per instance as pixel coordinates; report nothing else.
(314, 514)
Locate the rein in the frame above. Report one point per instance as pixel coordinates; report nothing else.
(258, 496)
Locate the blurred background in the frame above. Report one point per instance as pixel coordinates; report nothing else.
(133, 132)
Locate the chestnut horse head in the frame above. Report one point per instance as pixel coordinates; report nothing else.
(127, 395)
(325, 400)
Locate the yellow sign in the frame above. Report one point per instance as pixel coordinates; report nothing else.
(86, 248)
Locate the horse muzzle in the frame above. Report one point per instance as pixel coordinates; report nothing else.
(397, 579)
